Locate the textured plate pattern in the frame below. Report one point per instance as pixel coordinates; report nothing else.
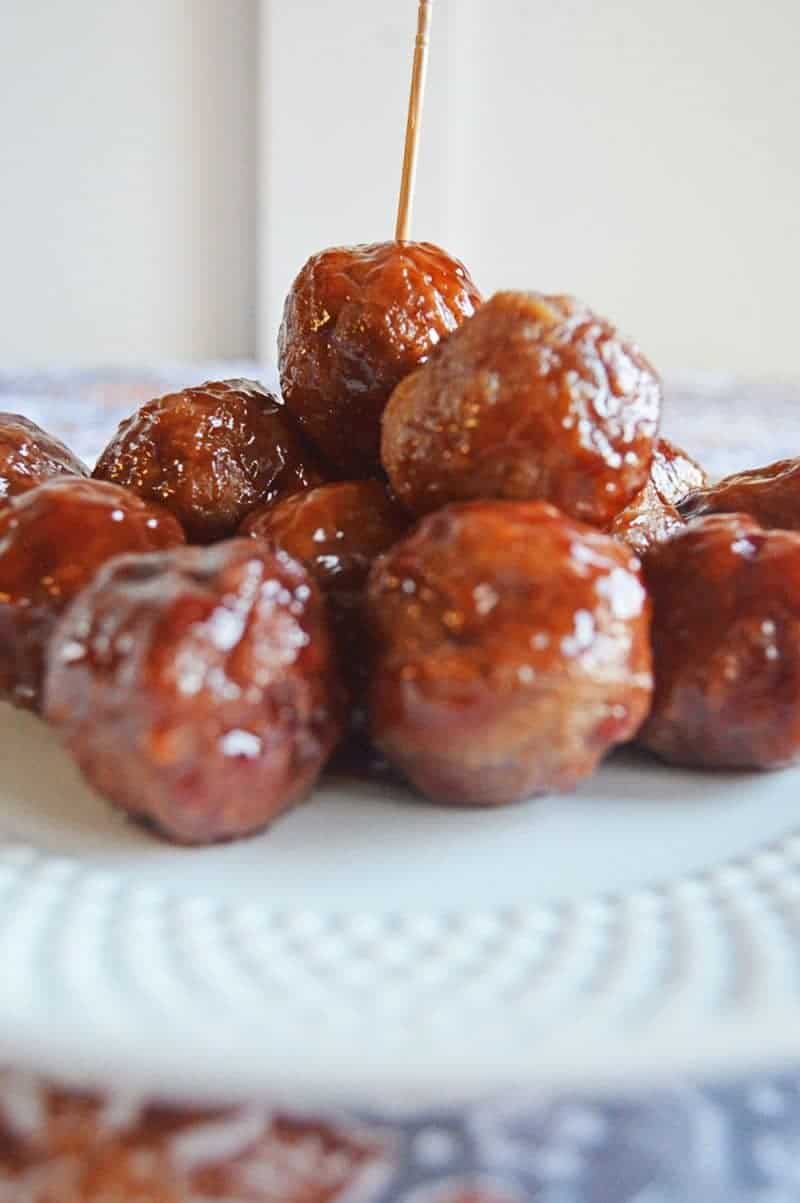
(352, 1001)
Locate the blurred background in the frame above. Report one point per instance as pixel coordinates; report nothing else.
(167, 165)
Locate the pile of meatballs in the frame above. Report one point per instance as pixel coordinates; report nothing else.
(457, 540)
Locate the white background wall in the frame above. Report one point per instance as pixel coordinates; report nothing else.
(652, 164)
(643, 155)
(127, 178)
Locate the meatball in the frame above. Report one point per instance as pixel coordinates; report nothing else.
(29, 456)
(336, 531)
(210, 455)
(512, 651)
(653, 515)
(726, 645)
(196, 687)
(536, 398)
(770, 495)
(52, 541)
(357, 320)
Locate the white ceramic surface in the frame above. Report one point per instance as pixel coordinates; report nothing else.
(376, 949)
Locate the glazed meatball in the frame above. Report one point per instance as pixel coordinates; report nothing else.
(52, 541)
(512, 651)
(336, 531)
(357, 320)
(210, 455)
(653, 515)
(29, 456)
(726, 645)
(196, 688)
(536, 398)
(770, 495)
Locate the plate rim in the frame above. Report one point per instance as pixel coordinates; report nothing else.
(598, 1043)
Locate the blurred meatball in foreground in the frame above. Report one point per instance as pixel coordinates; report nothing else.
(197, 689)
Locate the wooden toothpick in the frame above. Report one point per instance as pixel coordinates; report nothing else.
(413, 123)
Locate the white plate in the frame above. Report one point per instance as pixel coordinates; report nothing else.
(374, 949)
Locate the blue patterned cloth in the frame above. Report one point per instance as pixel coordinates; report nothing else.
(737, 1143)
(725, 424)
